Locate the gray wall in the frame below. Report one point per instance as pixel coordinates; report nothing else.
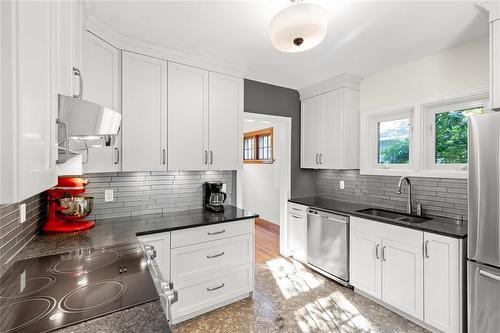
(439, 196)
(150, 192)
(278, 101)
(14, 235)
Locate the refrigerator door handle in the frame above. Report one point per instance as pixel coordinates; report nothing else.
(489, 275)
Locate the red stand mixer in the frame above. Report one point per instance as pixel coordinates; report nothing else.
(67, 207)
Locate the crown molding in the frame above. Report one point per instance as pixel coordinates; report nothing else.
(341, 81)
(492, 7)
(129, 43)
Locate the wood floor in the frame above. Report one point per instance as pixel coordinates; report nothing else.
(267, 241)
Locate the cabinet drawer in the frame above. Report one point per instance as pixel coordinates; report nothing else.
(199, 259)
(294, 208)
(212, 232)
(200, 295)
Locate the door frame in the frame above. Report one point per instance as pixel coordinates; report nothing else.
(285, 179)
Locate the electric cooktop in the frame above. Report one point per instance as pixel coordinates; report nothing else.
(47, 293)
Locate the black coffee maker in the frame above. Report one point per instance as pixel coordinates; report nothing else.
(215, 196)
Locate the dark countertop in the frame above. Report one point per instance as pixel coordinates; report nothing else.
(438, 225)
(147, 317)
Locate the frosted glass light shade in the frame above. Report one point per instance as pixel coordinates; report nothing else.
(299, 27)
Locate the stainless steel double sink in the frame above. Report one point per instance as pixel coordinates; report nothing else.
(392, 215)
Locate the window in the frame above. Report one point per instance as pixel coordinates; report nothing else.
(394, 141)
(258, 146)
(448, 128)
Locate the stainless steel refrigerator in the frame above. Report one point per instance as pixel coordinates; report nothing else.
(483, 254)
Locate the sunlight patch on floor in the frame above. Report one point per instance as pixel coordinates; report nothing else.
(292, 277)
(332, 313)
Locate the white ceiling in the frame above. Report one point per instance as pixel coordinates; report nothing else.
(363, 37)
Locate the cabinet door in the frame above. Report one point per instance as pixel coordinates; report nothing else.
(366, 266)
(402, 277)
(161, 244)
(225, 118)
(144, 109)
(298, 237)
(330, 131)
(442, 283)
(37, 82)
(308, 135)
(187, 118)
(102, 86)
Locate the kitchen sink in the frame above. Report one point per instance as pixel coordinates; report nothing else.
(391, 215)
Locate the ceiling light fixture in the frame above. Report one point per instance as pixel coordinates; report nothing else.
(299, 27)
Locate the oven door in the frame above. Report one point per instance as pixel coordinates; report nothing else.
(165, 288)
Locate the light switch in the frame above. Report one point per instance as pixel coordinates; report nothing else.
(108, 195)
(22, 213)
(342, 185)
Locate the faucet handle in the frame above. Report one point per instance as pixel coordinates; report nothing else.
(419, 207)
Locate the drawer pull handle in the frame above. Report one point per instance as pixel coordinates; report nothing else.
(489, 275)
(217, 232)
(297, 209)
(216, 255)
(297, 217)
(212, 289)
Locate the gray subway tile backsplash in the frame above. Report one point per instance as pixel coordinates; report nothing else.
(15, 235)
(139, 193)
(439, 196)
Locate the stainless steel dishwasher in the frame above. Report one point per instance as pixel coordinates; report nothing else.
(328, 244)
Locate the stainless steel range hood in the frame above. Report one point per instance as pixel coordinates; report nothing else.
(87, 120)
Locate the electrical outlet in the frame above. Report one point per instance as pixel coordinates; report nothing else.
(22, 213)
(108, 195)
(342, 185)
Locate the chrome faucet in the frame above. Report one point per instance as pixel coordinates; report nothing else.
(408, 201)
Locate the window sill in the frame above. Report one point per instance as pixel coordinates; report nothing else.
(415, 173)
(258, 161)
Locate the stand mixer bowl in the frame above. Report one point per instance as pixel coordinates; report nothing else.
(75, 207)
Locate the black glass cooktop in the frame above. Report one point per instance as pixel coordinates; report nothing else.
(46, 293)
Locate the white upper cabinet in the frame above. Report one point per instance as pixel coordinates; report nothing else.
(187, 118)
(144, 110)
(102, 86)
(225, 119)
(330, 126)
(29, 99)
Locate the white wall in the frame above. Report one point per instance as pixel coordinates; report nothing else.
(453, 70)
(264, 185)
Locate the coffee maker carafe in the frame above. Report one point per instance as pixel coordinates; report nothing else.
(215, 195)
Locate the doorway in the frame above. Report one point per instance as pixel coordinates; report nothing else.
(264, 186)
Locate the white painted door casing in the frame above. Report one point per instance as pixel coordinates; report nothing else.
(443, 279)
(102, 86)
(144, 110)
(225, 122)
(187, 118)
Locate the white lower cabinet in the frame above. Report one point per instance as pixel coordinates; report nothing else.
(416, 273)
(210, 266)
(443, 281)
(297, 220)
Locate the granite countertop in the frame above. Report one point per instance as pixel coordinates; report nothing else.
(438, 225)
(149, 316)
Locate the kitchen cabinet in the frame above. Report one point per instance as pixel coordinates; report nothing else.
(225, 113)
(187, 118)
(28, 151)
(330, 130)
(102, 86)
(297, 219)
(144, 113)
(443, 281)
(366, 266)
(417, 273)
(204, 119)
(161, 250)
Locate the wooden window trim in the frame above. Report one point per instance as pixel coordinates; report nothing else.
(255, 135)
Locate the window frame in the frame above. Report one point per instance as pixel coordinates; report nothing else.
(255, 136)
(429, 130)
